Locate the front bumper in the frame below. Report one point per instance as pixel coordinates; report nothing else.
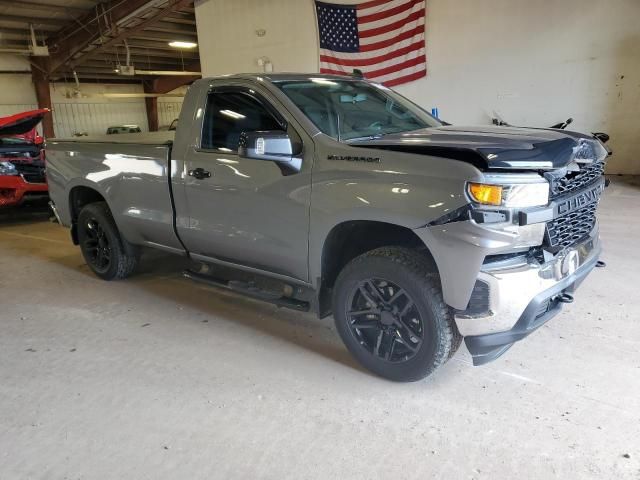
(521, 298)
(14, 189)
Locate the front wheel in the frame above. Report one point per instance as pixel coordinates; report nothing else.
(389, 311)
(105, 251)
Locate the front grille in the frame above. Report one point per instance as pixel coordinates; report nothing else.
(569, 229)
(572, 227)
(574, 181)
(31, 172)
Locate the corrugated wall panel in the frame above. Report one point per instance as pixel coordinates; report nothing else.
(95, 118)
(10, 109)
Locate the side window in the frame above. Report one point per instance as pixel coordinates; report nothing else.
(228, 114)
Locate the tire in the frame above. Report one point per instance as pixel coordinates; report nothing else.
(108, 255)
(410, 331)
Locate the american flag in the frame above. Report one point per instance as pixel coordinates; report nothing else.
(382, 38)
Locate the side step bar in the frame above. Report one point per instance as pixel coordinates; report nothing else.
(248, 290)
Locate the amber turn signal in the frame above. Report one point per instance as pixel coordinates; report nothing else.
(486, 194)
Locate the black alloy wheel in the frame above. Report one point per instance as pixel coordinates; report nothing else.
(96, 245)
(390, 313)
(109, 255)
(384, 319)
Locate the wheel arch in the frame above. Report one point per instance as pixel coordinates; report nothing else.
(349, 239)
(80, 196)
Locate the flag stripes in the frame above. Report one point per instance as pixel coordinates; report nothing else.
(385, 39)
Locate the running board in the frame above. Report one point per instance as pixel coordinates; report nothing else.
(248, 290)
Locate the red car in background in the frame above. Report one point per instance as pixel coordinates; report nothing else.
(22, 164)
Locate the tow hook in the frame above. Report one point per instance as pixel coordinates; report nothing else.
(565, 298)
(600, 264)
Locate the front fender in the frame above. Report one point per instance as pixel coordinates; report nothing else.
(405, 200)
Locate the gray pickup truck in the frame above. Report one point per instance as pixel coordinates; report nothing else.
(339, 196)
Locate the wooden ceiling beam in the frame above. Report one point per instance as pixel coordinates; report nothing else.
(155, 44)
(44, 7)
(73, 39)
(167, 84)
(180, 20)
(137, 62)
(144, 52)
(125, 33)
(36, 21)
(16, 31)
(163, 36)
(176, 32)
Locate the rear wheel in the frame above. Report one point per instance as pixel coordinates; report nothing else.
(389, 311)
(105, 251)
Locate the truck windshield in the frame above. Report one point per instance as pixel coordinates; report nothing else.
(351, 110)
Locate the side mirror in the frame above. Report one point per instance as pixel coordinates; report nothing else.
(271, 145)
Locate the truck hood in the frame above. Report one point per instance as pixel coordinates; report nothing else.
(491, 147)
(21, 123)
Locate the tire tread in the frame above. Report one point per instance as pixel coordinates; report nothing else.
(417, 264)
(127, 257)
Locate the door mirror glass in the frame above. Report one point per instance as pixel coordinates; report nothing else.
(271, 145)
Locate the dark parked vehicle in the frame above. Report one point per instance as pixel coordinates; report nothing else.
(337, 195)
(120, 129)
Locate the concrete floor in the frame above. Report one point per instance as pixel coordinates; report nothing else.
(160, 378)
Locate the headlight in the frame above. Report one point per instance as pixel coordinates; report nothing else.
(518, 195)
(8, 168)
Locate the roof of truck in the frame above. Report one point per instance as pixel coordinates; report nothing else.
(281, 77)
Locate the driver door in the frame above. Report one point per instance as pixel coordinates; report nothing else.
(243, 211)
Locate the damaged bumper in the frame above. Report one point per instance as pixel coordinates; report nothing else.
(14, 190)
(500, 289)
(513, 299)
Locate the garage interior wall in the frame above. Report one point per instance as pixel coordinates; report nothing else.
(16, 90)
(88, 111)
(535, 63)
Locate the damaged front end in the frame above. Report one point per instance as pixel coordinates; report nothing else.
(519, 249)
(22, 165)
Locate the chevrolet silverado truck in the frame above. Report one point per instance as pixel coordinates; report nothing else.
(22, 168)
(337, 195)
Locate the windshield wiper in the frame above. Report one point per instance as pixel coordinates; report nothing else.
(367, 137)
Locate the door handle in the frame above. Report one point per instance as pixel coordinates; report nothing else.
(199, 173)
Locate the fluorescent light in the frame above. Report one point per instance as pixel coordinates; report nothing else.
(232, 114)
(180, 44)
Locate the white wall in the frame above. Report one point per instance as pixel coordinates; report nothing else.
(93, 112)
(89, 112)
(536, 62)
(16, 90)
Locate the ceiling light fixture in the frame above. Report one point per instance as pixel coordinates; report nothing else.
(180, 44)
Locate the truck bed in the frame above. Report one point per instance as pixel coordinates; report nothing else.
(130, 171)
(149, 138)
